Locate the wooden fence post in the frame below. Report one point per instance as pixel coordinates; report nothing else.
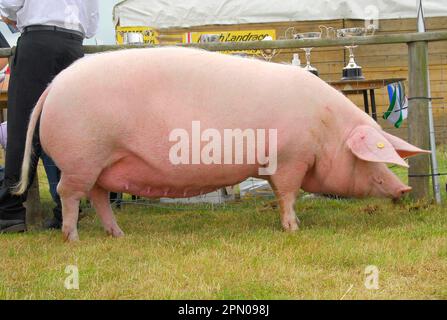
(418, 121)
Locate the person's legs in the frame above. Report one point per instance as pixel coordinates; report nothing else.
(11, 208)
(69, 50)
(53, 176)
(39, 57)
(116, 199)
(31, 72)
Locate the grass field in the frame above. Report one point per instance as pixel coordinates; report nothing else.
(237, 251)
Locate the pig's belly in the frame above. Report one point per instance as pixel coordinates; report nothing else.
(134, 176)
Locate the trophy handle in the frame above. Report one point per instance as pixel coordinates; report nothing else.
(334, 33)
(328, 31)
(290, 31)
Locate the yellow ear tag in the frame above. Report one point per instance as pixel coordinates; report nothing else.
(380, 145)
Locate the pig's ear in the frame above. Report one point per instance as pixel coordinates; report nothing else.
(403, 148)
(367, 143)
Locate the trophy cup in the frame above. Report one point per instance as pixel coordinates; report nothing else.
(353, 71)
(306, 36)
(308, 66)
(311, 35)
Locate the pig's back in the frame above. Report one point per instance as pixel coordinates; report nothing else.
(157, 90)
(178, 85)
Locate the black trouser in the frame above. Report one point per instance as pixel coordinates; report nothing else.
(39, 57)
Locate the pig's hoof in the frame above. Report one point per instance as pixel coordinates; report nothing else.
(115, 232)
(70, 235)
(291, 224)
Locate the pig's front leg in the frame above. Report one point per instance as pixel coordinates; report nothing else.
(289, 220)
(100, 200)
(286, 183)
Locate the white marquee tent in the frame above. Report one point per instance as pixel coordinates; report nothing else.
(188, 13)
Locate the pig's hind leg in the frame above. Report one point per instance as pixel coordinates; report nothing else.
(71, 189)
(286, 183)
(100, 200)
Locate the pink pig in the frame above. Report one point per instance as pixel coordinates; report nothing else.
(107, 122)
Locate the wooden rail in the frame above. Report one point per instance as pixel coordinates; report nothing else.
(280, 44)
(292, 44)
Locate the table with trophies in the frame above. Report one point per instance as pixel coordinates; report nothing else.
(352, 80)
(362, 87)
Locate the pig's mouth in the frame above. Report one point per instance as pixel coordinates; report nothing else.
(401, 192)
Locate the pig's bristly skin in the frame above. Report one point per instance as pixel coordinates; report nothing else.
(106, 123)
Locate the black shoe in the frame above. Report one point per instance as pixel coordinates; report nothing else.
(52, 224)
(12, 226)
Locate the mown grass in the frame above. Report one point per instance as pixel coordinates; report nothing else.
(238, 251)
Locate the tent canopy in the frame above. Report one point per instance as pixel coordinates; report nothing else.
(188, 13)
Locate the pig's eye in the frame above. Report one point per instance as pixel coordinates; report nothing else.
(380, 181)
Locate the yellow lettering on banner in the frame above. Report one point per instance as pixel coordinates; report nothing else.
(229, 36)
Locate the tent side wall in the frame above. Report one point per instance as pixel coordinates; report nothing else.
(190, 13)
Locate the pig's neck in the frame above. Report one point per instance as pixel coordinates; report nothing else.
(332, 172)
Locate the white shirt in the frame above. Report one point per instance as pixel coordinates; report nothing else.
(79, 15)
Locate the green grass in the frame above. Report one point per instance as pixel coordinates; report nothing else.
(238, 251)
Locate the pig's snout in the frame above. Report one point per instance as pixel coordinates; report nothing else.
(401, 191)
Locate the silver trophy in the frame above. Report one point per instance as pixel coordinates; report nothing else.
(325, 32)
(353, 71)
(308, 51)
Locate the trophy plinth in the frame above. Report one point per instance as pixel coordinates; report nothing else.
(352, 74)
(314, 71)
